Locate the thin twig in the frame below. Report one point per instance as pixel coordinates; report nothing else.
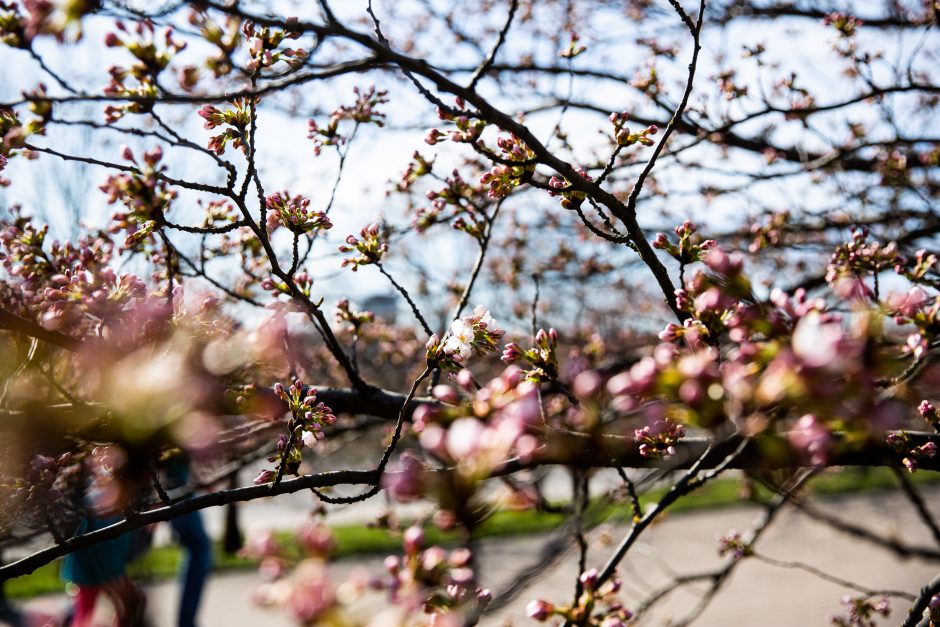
(687, 483)
(918, 502)
(809, 568)
(485, 66)
(386, 454)
(407, 297)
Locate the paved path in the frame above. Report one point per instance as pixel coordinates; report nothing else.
(757, 594)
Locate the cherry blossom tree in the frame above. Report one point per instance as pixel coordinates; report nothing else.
(702, 238)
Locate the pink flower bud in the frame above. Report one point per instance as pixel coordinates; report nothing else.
(539, 610)
(413, 540)
(433, 136)
(511, 353)
(718, 261)
(265, 476)
(589, 578)
(927, 410)
(309, 438)
(513, 376)
(445, 394)
(316, 539)
(587, 384)
(464, 379)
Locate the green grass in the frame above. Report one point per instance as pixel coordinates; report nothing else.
(163, 562)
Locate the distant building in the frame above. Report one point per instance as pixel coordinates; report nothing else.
(384, 306)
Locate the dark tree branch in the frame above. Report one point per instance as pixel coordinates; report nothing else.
(11, 322)
(916, 612)
(485, 66)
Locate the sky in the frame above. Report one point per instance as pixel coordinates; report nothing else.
(58, 191)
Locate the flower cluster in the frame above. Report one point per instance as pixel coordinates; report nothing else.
(406, 481)
(853, 260)
(719, 298)
(226, 39)
(658, 440)
(918, 268)
(236, 118)
(811, 439)
(929, 412)
(355, 319)
(311, 592)
(570, 197)
(417, 167)
(597, 606)
(13, 27)
(13, 132)
(464, 201)
(732, 544)
(41, 17)
(919, 310)
(476, 333)
(144, 193)
(788, 351)
(574, 48)
(647, 79)
(693, 379)
(468, 129)
(363, 111)
(770, 234)
(309, 414)
(293, 212)
(308, 417)
(542, 356)
(370, 247)
(504, 177)
(67, 287)
(900, 443)
(140, 80)
(729, 88)
(471, 430)
(46, 480)
(432, 580)
(40, 106)
(691, 247)
(625, 137)
(302, 281)
(845, 24)
(862, 611)
(263, 46)
(475, 430)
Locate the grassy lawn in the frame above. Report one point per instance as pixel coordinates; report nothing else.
(163, 562)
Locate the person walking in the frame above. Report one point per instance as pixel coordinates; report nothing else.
(191, 534)
(102, 568)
